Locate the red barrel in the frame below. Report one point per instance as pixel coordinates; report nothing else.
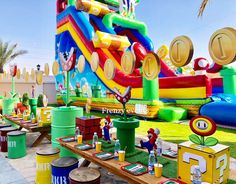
(3, 137)
(84, 175)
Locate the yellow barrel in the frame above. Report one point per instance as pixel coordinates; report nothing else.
(93, 7)
(44, 158)
(109, 41)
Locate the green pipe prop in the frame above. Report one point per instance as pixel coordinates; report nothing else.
(126, 133)
(114, 18)
(229, 80)
(150, 89)
(71, 2)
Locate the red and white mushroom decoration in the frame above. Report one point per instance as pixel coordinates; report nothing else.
(200, 66)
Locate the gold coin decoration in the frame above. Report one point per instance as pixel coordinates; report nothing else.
(18, 73)
(55, 68)
(39, 77)
(181, 51)
(26, 76)
(23, 73)
(94, 61)
(46, 69)
(81, 64)
(222, 46)
(151, 66)
(109, 69)
(127, 62)
(32, 74)
(163, 51)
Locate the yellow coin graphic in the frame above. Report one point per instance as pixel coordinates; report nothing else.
(39, 77)
(163, 51)
(222, 46)
(81, 64)
(23, 73)
(46, 69)
(151, 66)
(32, 74)
(18, 73)
(181, 51)
(94, 61)
(26, 76)
(109, 69)
(127, 62)
(55, 68)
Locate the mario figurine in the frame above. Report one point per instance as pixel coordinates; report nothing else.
(106, 128)
(152, 136)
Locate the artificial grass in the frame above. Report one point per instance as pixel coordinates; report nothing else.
(170, 166)
(178, 133)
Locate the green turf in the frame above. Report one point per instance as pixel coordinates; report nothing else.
(177, 133)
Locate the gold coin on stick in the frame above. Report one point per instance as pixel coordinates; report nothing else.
(81, 64)
(94, 61)
(46, 69)
(32, 74)
(222, 46)
(55, 68)
(181, 51)
(162, 52)
(151, 66)
(18, 73)
(127, 62)
(39, 77)
(26, 76)
(23, 73)
(109, 69)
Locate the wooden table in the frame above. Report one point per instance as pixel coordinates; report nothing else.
(44, 131)
(112, 165)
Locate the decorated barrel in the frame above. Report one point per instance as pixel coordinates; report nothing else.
(16, 144)
(44, 158)
(3, 137)
(63, 124)
(4, 126)
(84, 175)
(33, 105)
(61, 168)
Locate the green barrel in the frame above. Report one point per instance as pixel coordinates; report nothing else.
(126, 133)
(33, 105)
(16, 144)
(8, 105)
(96, 91)
(63, 124)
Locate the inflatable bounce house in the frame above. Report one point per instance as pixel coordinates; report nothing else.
(113, 51)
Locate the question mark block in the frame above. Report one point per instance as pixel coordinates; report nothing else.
(45, 114)
(213, 161)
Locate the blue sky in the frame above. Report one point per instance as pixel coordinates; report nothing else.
(32, 24)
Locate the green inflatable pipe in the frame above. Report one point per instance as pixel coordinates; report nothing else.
(71, 2)
(229, 80)
(150, 89)
(114, 18)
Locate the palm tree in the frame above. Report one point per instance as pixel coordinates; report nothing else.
(8, 53)
(202, 7)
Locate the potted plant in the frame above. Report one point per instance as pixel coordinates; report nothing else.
(125, 125)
